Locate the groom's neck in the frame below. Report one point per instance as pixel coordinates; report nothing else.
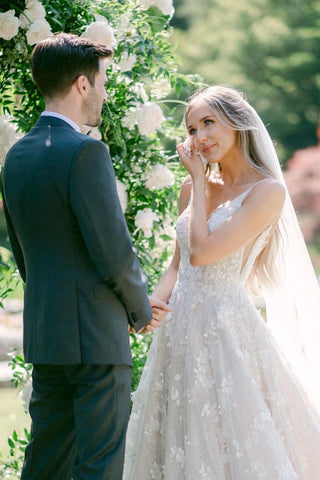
(67, 106)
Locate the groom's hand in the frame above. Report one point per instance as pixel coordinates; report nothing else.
(159, 311)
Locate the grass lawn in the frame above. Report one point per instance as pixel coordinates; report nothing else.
(12, 417)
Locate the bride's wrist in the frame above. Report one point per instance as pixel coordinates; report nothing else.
(198, 180)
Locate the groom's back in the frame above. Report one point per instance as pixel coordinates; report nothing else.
(59, 274)
(36, 178)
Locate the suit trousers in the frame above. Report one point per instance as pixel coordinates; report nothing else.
(79, 420)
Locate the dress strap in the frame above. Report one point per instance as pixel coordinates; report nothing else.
(246, 192)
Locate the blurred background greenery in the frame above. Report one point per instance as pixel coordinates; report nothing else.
(13, 417)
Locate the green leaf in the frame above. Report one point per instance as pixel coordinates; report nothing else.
(11, 442)
(156, 19)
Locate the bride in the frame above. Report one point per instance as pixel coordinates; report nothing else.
(226, 395)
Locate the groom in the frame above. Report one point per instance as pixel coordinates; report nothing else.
(82, 280)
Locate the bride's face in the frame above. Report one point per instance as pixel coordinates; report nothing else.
(211, 138)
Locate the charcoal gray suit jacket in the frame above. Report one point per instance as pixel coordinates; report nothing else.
(72, 247)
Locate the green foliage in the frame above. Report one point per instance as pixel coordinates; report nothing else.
(21, 370)
(140, 346)
(10, 468)
(9, 276)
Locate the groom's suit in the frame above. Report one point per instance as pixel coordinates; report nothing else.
(82, 287)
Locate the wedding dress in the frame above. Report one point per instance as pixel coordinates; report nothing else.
(216, 400)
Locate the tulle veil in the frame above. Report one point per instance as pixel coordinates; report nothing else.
(293, 303)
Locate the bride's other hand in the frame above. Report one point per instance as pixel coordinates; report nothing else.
(159, 312)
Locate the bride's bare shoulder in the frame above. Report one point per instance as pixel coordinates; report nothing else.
(269, 187)
(269, 194)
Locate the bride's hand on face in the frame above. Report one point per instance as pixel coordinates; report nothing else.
(190, 160)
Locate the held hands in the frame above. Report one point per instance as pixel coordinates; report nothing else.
(190, 158)
(159, 311)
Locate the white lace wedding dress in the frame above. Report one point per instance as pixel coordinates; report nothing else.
(216, 401)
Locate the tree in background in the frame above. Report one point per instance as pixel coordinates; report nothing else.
(268, 49)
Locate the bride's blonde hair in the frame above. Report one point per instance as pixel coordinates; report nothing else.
(232, 110)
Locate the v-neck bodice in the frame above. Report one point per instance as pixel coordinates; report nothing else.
(227, 271)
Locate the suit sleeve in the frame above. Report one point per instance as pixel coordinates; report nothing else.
(95, 203)
(15, 245)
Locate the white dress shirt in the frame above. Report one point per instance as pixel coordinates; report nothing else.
(62, 117)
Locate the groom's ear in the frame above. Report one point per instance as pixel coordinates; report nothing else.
(82, 85)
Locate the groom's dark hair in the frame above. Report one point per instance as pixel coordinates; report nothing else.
(58, 61)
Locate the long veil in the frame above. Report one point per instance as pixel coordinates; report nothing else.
(293, 304)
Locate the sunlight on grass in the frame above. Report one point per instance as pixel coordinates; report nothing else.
(12, 417)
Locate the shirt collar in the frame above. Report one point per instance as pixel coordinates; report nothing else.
(62, 117)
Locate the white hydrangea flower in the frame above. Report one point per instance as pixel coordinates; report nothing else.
(139, 90)
(100, 18)
(159, 177)
(9, 24)
(160, 88)
(25, 394)
(21, 49)
(34, 11)
(130, 118)
(165, 6)
(147, 116)
(150, 118)
(145, 4)
(8, 136)
(168, 228)
(30, 4)
(123, 196)
(127, 61)
(144, 221)
(125, 25)
(39, 30)
(100, 32)
(161, 244)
